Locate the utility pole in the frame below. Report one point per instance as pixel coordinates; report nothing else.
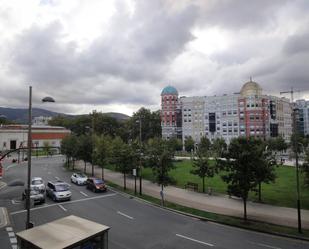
(295, 148)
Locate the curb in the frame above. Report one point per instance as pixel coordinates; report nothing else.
(4, 217)
(208, 219)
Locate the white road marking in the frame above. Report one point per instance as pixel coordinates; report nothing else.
(62, 208)
(11, 234)
(265, 245)
(57, 178)
(68, 202)
(84, 194)
(15, 202)
(194, 240)
(14, 246)
(125, 215)
(9, 229)
(13, 240)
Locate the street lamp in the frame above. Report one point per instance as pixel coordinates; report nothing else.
(295, 145)
(46, 99)
(140, 158)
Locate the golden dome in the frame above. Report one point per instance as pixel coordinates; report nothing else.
(250, 88)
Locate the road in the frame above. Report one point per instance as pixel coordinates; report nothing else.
(134, 223)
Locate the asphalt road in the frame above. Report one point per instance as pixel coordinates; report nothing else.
(134, 223)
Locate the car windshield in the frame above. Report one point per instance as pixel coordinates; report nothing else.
(81, 175)
(36, 182)
(61, 187)
(98, 181)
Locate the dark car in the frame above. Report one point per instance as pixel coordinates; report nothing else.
(96, 184)
(35, 195)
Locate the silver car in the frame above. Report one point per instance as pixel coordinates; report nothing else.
(37, 184)
(58, 191)
(35, 195)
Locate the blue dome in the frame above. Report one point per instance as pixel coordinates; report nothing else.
(169, 90)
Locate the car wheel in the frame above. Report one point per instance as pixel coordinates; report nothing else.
(94, 190)
(54, 198)
(71, 180)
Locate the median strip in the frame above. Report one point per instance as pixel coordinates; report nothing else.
(194, 240)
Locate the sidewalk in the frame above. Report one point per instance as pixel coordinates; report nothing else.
(216, 204)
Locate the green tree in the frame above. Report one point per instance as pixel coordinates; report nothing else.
(159, 158)
(124, 158)
(175, 144)
(218, 147)
(240, 166)
(84, 149)
(69, 148)
(46, 147)
(204, 145)
(305, 167)
(202, 167)
(265, 166)
(102, 151)
(189, 144)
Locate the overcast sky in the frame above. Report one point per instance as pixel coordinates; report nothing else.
(118, 55)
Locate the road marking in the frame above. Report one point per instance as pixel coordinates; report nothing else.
(15, 202)
(84, 194)
(3, 184)
(194, 240)
(68, 202)
(11, 234)
(265, 245)
(9, 229)
(57, 178)
(125, 215)
(64, 209)
(5, 217)
(14, 246)
(13, 240)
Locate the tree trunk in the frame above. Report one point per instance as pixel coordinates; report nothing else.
(203, 184)
(245, 208)
(124, 181)
(92, 169)
(102, 172)
(260, 192)
(85, 167)
(73, 165)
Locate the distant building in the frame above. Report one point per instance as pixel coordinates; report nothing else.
(303, 113)
(249, 113)
(16, 136)
(41, 120)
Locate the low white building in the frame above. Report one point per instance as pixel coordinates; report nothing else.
(16, 136)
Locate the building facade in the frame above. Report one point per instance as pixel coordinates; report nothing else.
(249, 113)
(16, 136)
(303, 112)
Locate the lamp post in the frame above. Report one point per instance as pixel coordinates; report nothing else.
(295, 145)
(140, 150)
(46, 99)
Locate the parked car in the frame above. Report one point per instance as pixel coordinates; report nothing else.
(96, 184)
(38, 184)
(58, 191)
(35, 195)
(79, 178)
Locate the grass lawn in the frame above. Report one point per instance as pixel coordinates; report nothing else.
(280, 193)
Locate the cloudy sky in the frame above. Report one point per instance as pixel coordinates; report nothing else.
(117, 55)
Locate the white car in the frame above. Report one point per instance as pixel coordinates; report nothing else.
(79, 178)
(38, 184)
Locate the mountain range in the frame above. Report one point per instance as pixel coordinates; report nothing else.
(20, 116)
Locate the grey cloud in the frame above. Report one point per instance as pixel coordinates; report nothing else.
(298, 43)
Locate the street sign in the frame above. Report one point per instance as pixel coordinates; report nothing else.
(134, 172)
